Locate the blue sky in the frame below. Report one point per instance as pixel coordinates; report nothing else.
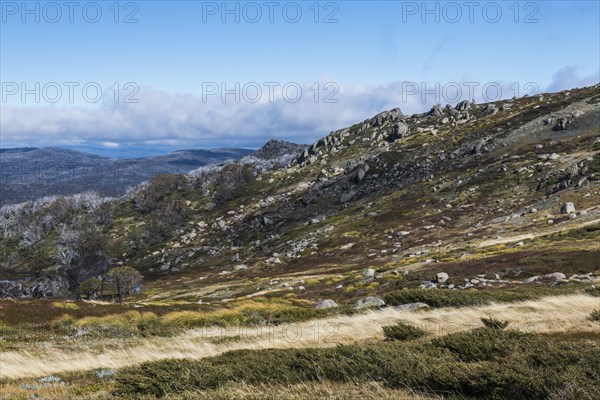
(179, 57)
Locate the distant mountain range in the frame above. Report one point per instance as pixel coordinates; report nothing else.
(28, 173)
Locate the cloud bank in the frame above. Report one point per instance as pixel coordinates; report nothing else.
(184, 120)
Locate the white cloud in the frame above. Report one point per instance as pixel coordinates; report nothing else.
(185, 120)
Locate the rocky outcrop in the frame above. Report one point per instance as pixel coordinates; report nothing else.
(278, 148)
(392, 115)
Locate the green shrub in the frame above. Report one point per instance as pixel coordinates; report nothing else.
(401, 331)
(593, 291)
(484, 363)
(473, 297)
(151, 325)
(494, 323)
(435, 298)
(483, 344)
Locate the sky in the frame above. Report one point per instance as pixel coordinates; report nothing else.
(136, 77)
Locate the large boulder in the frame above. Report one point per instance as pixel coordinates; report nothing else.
(463, 105)
(436, 110)
(399, 131)
(326, 304)
(368, 273)
(490, 109)
(442, 277)
(360, 175)
(562, 124)
(346, 197)
(567, 208)
(556, 275)
(370, 301)
(387, 116)
(531, 279)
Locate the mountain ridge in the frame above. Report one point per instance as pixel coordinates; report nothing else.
(30, 173)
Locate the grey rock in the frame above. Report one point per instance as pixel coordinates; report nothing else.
(368, 273)
(266, 221)
(360, 175)
(399, 131)
(567, 208)
(346, 197)
(556, 275)
(370, 301)
(463, 105)
(442, 277)
(326, 304)
(387, 116)
(436, 110)
(531, 279)
(562, 124)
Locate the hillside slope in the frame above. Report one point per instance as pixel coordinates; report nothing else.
(482, 193)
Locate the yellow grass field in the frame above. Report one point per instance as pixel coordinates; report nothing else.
(568, 313)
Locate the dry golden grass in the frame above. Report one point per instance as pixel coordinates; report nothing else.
(551, 314)
(50, 392)
(310, 390)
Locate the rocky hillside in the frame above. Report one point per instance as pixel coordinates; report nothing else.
(463, 196)
(274, 149)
